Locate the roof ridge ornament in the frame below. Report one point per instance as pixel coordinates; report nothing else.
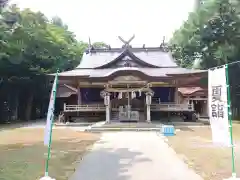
(164, 46)
(90, 47)
(126, 43)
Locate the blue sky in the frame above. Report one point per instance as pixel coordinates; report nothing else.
(104, 20)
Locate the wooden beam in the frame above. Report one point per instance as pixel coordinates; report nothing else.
(127, 89)
(127, 82)
(91, 84)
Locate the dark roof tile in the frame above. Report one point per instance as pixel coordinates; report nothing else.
(154, 72)
(153, 56)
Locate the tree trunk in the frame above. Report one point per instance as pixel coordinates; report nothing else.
(16, 104)
(29, 107)
(2, 115)
(43, 109)
(34, 109)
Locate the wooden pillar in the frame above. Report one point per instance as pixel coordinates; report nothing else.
(79, 96)
(205, 107)
(128, 106)
(64, 107)
(107, 104)
(176, 96)
(192, 105)
(107, 114)
(148, 114)
(148, 103)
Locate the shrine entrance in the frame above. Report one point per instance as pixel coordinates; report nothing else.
(200, 106)
(128, 96)
(126, 106)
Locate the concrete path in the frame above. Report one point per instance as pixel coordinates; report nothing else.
(132, 156)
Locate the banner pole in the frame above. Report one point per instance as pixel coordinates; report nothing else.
(230, 120)
(49, 149)
(51, 127)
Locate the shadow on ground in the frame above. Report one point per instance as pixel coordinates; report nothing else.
(108, 164)
(185, 129)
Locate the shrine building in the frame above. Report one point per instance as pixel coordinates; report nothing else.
(140, 84)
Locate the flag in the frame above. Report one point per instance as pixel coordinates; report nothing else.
(89, 45)
(50, 114)
(218, 106)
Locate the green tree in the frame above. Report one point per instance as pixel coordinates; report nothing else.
(100, 45)
(210, 37)
(30, 47)
(211, 34)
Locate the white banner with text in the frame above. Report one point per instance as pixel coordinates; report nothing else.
(218, 106)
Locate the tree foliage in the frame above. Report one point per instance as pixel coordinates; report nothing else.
(210, 37)
(32, 46)
(99, 45)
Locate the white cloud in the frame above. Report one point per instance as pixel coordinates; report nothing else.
(104, 20)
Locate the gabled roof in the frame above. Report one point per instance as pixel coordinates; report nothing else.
(191, 90)
(151, 57)
(152, 72)
(66, 91)
(151, 62)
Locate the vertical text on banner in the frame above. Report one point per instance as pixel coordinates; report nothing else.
(50, 115)
(218, 106)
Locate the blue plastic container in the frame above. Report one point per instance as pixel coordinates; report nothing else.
(168, 130)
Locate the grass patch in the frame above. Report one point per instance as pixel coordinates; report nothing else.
(22, 154)
(195, 147)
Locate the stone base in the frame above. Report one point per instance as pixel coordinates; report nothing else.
(46, 178)
(233, 177)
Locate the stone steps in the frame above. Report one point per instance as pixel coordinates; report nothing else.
(131, 125)
(122, 129)
(114, 116)
(140, 126)
(73, 124)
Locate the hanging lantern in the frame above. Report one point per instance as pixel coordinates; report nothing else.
(140, 93)
(120, 95)
(102, 94)
(133, 94)
(148, 99)
(107, 99)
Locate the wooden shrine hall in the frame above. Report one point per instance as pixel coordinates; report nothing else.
(128, 84)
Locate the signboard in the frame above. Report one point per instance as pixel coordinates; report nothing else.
(218, 106)
(50, 115)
